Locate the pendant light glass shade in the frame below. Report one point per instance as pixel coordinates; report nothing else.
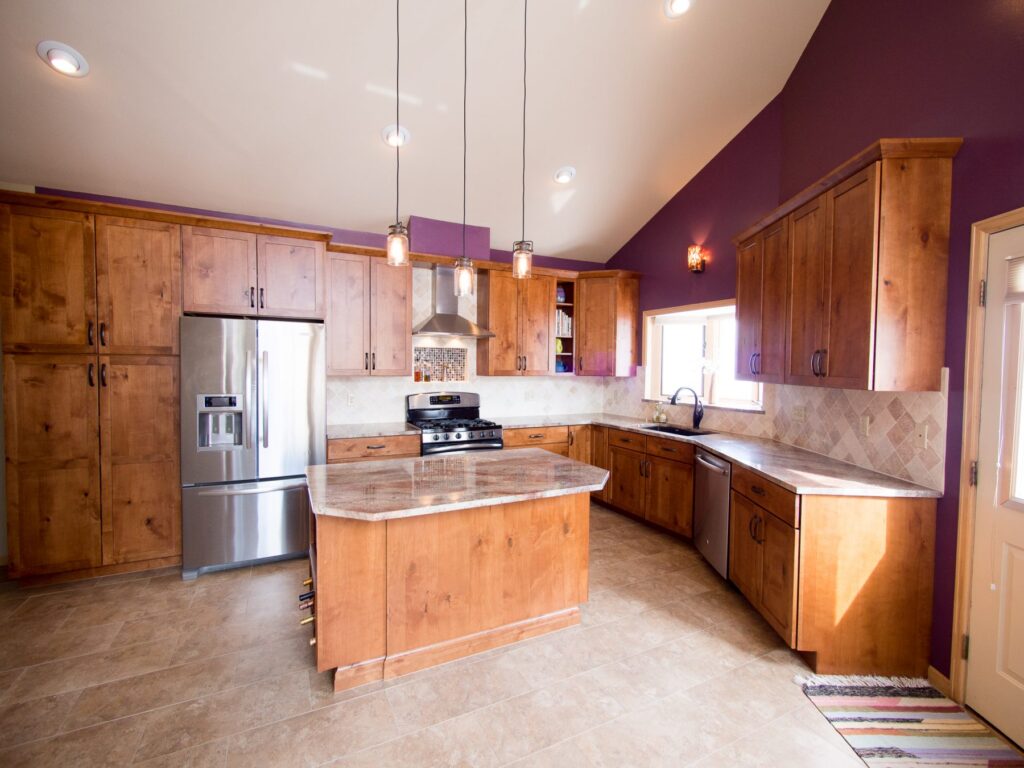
(398, 245)
(522, 259)
(464, 277)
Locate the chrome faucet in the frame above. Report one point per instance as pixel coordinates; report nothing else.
(698, 408)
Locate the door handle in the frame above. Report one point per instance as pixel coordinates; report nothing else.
(252, 297)
(251, 491)
(103, 334)
(713, 467)
(262, 302)
(89, 334)
(92, 374)
(103, 374)
(263, 399)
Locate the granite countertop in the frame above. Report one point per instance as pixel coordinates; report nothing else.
(392, 488)
(379, 429)
(798, 470)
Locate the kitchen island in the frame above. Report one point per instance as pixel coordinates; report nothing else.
(419, 561)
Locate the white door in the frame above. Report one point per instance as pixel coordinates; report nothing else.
(995, 667)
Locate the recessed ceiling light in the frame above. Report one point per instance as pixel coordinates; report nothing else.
(565, 174)
(676, 8)
(63, 58)
(395, 135)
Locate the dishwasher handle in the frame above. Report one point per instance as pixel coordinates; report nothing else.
(716, 468)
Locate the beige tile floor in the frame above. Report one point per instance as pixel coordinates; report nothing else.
(670, 667)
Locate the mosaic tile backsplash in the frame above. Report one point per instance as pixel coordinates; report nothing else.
(906, 432)
(439, 363)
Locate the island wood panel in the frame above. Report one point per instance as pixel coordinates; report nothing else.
(218, 271)
(489, 569)
(291, 277)
(865, 587)
(580, 440)
(138, 280)
(498, 311)
(536, 329)
(390, 319)
(669, 501)
(140, 473)
(351, 598)
(47, 280)
(348, 314)
(807, 241)
(52, 462)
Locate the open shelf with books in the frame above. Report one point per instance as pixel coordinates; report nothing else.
(565, 327)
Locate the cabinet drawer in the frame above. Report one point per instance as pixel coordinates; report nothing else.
(349, 449)
(784, 504)
(515, 438)
(628, 440)
(675, 450)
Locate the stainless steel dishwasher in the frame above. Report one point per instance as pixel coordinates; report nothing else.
(711, 510)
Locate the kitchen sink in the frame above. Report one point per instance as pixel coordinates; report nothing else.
(673, 430)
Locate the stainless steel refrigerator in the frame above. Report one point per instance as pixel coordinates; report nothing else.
(252, 420)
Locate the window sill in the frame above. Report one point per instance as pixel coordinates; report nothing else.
(752, 409)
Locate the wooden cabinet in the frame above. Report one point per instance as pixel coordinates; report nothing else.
(670, 494)
(346, 449)
(47, 280)
(554, 439)
(599, 457)
(745, 553)
(52, 462)
(761, 282)
(520, 313)
(607, 309)
(628, 474)
(229, 272)
(580, 443)
(369, 317)
(868, 249)
(138, 286)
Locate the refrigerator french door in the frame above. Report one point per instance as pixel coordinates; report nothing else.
(252, 420)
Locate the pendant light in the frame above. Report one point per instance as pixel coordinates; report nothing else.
(398, 235)
(464, 265)
(522, 249)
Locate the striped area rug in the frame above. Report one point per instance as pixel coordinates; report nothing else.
(902, 722)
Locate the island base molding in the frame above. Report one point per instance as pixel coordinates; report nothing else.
(396, 596)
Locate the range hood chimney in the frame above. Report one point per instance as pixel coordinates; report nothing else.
(446, 320)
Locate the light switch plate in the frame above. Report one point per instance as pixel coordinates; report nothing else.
(921, 436)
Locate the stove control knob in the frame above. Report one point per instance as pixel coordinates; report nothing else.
(447, 436)
(458, 435)
(437, 437)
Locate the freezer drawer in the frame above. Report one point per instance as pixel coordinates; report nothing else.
(232, 524)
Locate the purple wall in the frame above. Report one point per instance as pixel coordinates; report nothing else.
(873, 69)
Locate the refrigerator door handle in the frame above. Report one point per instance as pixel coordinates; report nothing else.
(263, 399)
(246, 401)
(251, 491)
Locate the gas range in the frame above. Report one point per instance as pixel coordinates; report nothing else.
(450, 422)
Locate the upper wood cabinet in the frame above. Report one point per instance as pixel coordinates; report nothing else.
(138, 281)
(240, 273)
(607, 309)
(47, 280)
(762, 278)
(865, 292)
(369, 317)
(521, 314)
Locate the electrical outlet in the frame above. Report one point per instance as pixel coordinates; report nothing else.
(351, 399)
(865, 426)
(799, 413)
(921, 437)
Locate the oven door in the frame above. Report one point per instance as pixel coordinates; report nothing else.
(448, 449)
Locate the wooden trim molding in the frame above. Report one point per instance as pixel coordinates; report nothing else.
(883, 149)
(981, 233)
(940, 682)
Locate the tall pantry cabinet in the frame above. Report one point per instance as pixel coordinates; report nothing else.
(89, 313)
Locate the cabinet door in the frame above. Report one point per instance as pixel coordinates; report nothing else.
(807, 264)
(628, 476)
(47, 280)
(580, 443)
(779, 543)
(290, 277)
(390, 319)
(138, 281)
(218, 271)
(596, 337)
(745, 553)
(670, 494)
(851, 281)
(348, 314)
(537, 325)
(749, 277)
(499, 309)
(771, 360)
(139, 438)
(599, 458)
(53, 462)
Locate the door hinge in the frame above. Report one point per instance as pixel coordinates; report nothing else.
(973, 475)
(965, 646)
(983, 296)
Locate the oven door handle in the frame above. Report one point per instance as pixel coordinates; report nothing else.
(434, 450)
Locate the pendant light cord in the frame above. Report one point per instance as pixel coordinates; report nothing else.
(398, 124)
(523, 234)
(465, 90)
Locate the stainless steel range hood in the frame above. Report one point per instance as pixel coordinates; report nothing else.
(446, 320)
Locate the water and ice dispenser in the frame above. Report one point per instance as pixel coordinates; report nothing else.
(221, 422)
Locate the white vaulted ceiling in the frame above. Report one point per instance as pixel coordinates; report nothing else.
(275, 108)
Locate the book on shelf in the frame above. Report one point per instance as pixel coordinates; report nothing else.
(563, 323)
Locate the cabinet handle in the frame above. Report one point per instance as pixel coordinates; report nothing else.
(757, 363)
(814, 363)
(758, 527)
(822, 362)
(103, 374)
(757, 489)
(263, 304)
(640, 466)
(252, 297)
(524, 362)
(366, 361)
(580, 366)
(103, 334)
(648, 468)
(89, 334)
(536, 437)
(375, 447)
(572, 438)
(92, 375)
(750, 365)
(373, 361)
(750, 528)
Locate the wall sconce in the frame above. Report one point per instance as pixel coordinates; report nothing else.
(695, 258)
